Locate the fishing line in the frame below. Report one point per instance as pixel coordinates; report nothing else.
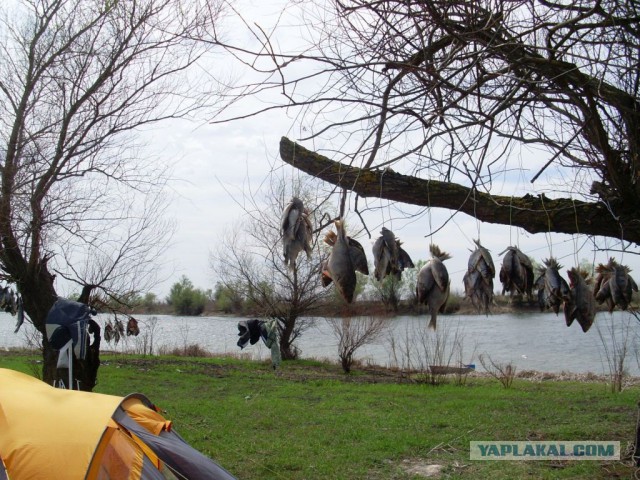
(475, 213)
(429, 218)
(380, 199)
(510, 219)
(547, 234)
(575, 245)
(462, 231)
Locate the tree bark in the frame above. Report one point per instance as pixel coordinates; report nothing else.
(535, 214)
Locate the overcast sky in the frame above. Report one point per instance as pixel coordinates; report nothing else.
(212, 163)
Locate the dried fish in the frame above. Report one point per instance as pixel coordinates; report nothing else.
(356, 251)
(109, 332)
(389, 258)
(552, 288)
(516, 273)
(340, 266)
(580, 305)
(296, 232)
(614, 285)
(478, 280)
(432, 284)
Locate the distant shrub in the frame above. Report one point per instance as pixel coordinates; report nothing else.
(453, 303)
(185, 299)
(191, 350)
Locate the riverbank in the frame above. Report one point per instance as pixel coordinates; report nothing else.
(324, 369)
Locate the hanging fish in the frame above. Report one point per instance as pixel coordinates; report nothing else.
(516, 273)
(340, 266)
(296, 232)
(614, 285)
(385, 254)
(356, 252)
(4, 296)
(9, 301)
(404, 260)
(580, 305)
(118, 330)
(325, 276)
(389, 258)
(478, 280)
(432, 284)
(132, 327)
(552, 288)
(108, 332)
(20, 314)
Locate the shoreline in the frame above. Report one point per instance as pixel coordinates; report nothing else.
(314, 368)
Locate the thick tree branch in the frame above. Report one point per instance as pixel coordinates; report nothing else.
(536, 214)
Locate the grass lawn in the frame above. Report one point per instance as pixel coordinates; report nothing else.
(312, 422)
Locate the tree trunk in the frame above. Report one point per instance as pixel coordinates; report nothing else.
(38, 296)
(288, 351)
(536, 214)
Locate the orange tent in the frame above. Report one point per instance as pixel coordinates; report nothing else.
(53, 433)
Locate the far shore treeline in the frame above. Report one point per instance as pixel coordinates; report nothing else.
(185, 299)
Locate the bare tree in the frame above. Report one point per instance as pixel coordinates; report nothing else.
(78, 199)
(504, 372)
(353, 333)
(435, 103)
(250, 257)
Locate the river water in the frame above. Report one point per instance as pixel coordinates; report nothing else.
(531, 341)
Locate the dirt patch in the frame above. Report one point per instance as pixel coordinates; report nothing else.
(420, 468)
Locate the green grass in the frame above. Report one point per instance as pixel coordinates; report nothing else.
(312, 422)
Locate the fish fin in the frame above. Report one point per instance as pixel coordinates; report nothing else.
(432, 322)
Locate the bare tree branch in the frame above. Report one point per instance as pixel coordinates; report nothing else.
(535, 214)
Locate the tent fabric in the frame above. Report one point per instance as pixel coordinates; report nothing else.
(177, 454)
(40, 425)
(3, 471)
(145, 415)
(69, 434)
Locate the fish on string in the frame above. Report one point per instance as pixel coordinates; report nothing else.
(11, 302)
(516, 273)
(114, 331)
(478, 279)
(433, 284)
(580, 304)
(340, 266)
(552, 288)
(8, 300)
(614, 285)
(296, 231)
(132, 327)
(389, 258)
(109, 332)
(19, 313)
(356, 252)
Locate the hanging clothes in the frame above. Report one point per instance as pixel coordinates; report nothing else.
(270, 339)
(250, 331)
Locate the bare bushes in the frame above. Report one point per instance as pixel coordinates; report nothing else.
(190, 350)
(430, 356)
(504, 372)
(353, 333)
(616, 339)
